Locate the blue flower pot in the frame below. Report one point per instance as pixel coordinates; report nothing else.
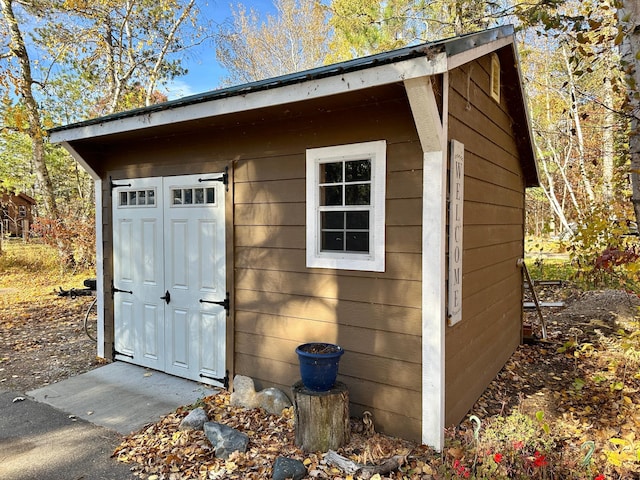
(319, 365)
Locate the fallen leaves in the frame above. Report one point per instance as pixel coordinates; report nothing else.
(160, 448)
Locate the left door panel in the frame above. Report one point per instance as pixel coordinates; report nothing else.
(138, 268)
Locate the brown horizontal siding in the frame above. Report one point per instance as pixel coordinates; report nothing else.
(476, 236)
(484, 170)
(488, 214)
(469, 380)
(400, 347)
(385, 318)
(477, 347)
(404, 266)
(499, 269)
(479, 191)
(399, 239)
(358, 289)
(482, 257)
(279, 303)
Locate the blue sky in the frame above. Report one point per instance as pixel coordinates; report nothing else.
(205, 73)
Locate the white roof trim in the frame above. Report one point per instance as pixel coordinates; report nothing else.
(350, 81)
(467, 56)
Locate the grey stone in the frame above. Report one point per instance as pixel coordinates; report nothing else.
(225, 440)
(195, 420)
(272, 400)
(284, 468)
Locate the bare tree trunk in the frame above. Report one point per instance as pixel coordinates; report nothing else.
(577, 123)
(608, 138)
(629, 22)
(24, 86)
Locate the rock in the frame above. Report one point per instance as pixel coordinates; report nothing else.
(244, 392)
(195, 420)
(272, 400)
(284, 468)
(225, 440)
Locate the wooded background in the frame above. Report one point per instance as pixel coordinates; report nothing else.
(63, 61)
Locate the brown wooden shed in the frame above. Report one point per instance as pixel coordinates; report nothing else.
(377, 203)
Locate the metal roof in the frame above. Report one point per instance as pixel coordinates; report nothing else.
(451, 46)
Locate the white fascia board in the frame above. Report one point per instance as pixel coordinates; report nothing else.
(472, 54)
(305, 90)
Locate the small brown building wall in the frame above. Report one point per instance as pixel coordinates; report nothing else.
(11, 215)
(278, 303)
(479, 345)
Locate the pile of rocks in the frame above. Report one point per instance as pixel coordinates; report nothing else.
(226, 440)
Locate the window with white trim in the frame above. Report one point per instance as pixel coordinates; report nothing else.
(346, 206)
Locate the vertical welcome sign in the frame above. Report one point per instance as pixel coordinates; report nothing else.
(456, 206)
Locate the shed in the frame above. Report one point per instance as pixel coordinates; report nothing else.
(378, 203)
(15, 212)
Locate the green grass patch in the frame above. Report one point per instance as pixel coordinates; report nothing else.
(550, 268)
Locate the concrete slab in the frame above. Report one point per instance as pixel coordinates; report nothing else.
(121, 396)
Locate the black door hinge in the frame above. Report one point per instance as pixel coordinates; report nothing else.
(223, 303)
(224, 381)
(224, 178)
(115, 185)
(117, 290)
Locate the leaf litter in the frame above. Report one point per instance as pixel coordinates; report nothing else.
(585, 381)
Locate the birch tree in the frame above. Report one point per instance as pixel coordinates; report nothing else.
(629, 40)
(120, 45)
(21, 78)
(294, 39)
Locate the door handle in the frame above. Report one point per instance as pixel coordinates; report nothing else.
(166, 297)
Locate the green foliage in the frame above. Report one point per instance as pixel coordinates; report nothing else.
(604, 253)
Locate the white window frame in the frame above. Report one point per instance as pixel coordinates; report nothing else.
(374, 261)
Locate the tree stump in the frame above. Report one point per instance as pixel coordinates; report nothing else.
(322, 418)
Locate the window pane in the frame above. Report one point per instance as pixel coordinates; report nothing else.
(332, 241)
(210, 195)
(123, 198)
(132, 198)
(199, 195)
(331, 195)
(151, 197)
(188, 196)
(177, 197)
(331, 172)
(357, 241)
(357, 171)
(142, 197)
(332, 220)
(358, 194)
(358, 220)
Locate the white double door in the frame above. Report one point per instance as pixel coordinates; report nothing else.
(169, 275)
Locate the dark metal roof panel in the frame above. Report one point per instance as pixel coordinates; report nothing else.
(451, 46)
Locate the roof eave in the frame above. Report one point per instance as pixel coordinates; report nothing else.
(249, 98)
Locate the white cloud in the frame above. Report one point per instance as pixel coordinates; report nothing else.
(177, 89)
